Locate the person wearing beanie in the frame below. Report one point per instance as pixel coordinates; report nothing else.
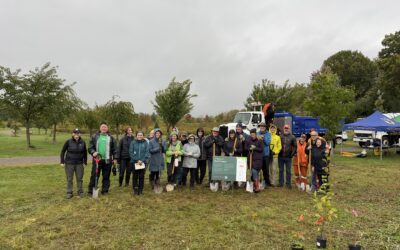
(275, 147)
(191, 152)
(73, 159)
(255, 147)
(242, 137)
(157, 149)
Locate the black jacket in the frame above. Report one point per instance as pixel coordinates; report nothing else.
(289, 146)
(318, 158)
(113, 147)
(228, 147)
(76, 152)
(245, 137)
(257, 154)
(123, 148)
(210, 141)
(203, 153)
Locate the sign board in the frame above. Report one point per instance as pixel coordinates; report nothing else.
(229, 168)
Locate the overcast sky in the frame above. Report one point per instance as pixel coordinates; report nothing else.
(133, 48)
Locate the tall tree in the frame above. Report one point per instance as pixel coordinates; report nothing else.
(172, 103)
(119, 113)
(329, 101)
(389, 72)
(357, 71)
(25, 97)
(285, 97)
(88, 118)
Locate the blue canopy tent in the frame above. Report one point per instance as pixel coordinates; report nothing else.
(375, 122)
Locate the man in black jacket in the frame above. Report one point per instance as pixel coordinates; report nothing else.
(102, 145)
(74, 161)
(124, 159)
(289, 149)
(213, 145)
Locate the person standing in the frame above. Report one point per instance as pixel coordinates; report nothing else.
(139, 153)
(124, 159)
(232, 145)
(255, 147)
(191, 152)
(300, 164)
(174, 157)
(213, 145)
(289, 148)
(275, 147)
(157, 148)
(73, 159)
(265, 137)
(202, 160)
(104, 147)
(242, 137)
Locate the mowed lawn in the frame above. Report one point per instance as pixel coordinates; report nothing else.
(35, 214)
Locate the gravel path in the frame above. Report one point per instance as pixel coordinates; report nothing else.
(29, 160)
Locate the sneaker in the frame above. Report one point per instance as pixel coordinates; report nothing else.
(69, 196)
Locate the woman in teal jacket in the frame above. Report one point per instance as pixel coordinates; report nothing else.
(139, 153)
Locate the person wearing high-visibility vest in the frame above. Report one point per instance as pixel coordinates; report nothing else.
(275, 147)
(300, 163)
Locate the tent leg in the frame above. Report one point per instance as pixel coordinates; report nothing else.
(381, 147)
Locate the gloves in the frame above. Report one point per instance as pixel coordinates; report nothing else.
(252, 147)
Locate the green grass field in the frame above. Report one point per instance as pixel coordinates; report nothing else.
(35, 214)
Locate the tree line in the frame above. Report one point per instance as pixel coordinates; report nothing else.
(347, 85)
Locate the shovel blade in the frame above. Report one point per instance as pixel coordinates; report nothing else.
(95, 193)
(158, 189)
(250, 187)
(169, 188)
(214, 187)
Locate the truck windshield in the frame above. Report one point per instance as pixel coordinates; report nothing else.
(242, 117)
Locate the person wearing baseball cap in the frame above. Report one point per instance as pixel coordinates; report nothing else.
(289, 149)
(73, 158)
(213, 145)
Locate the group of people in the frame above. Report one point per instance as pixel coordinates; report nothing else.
(180, 154)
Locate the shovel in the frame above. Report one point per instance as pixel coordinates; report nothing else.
(95, 192)
(298, 177)
(214, 186)
(250, 184)
(158, 189)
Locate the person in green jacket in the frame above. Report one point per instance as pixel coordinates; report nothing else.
(174, 157)
(140, 155)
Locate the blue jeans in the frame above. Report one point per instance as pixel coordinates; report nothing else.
(254, 174)
(282, 162)
(209, 161)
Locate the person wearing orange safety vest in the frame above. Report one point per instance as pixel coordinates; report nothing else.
(300, 163)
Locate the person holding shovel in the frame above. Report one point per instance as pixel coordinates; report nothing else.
(300, 164)
(139, 153)
(311, 146)
(202, 160)
(318, 158)
(213, 145)
(174, 157)
(191, 151)
(74, 161)
(103, 147)
(232, 146)
(242, 137)
(289, 147)
(124, 159)
(265, 137)
(255, 147)
(157, 148)
(275, 147)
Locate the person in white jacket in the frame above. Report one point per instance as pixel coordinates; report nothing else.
(191, 152)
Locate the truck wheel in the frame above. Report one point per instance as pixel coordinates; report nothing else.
(361, 144)
(385, 142)
(338, 140)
